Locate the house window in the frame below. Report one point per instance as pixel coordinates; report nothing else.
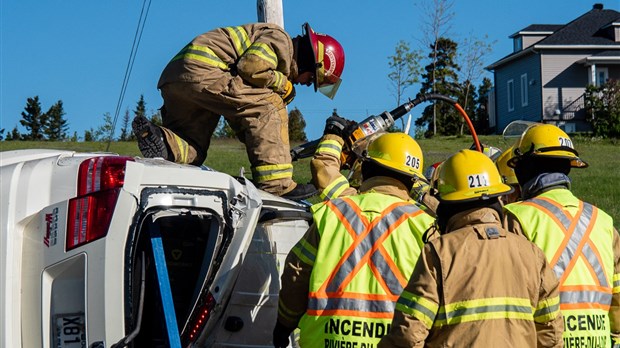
(524, 88)
(511, 94)
(602, 74)
(517, 44)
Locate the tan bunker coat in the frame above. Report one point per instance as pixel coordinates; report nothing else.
(240, 73)
(478, 286)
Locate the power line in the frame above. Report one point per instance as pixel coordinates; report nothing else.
(146, 5)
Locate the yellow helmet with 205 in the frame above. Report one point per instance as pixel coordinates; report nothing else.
(468, 176)
(398, 152)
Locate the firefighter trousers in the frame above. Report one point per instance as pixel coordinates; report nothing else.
(258, 117)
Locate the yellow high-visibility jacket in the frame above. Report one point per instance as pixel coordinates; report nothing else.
(478, 286)
(342, 279)
(583, 249)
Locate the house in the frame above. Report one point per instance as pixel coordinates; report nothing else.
(545, 77)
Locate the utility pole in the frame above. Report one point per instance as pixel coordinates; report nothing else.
(270, 11)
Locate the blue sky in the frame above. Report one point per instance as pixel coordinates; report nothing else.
(77, 51)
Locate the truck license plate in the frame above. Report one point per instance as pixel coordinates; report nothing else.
(70, 331)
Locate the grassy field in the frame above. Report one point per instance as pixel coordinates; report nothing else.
(599, 184)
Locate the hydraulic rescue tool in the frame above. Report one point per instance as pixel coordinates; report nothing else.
(377, 123)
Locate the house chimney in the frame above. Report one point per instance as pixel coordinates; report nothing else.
(597, 6)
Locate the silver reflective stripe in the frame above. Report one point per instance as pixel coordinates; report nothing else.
(415, 305)
(331, 194)
(354, 220)
(575, 238)
(340, 303)
(499, 308)
(547, 310)
(365, 246)
(585, 297)
(593, 261)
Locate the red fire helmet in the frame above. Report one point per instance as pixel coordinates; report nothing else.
(328, 59)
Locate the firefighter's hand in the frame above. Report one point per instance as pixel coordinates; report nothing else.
(289, 93)
(281, 336)
(339, 126)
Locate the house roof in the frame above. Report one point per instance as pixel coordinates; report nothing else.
(534, 29)
(585, 30)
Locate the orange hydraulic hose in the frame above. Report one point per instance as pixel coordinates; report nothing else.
(470, 125)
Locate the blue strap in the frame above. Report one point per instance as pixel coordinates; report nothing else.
(164, 287)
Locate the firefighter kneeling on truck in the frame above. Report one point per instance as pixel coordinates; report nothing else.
(341, 281)
(477, 285)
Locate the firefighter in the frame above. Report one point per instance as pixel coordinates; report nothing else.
(247, 74)
(578, 239)
(508, 176)
(341, 280)
(476, 285)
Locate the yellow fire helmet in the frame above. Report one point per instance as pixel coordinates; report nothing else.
(545, 140)
(468, 176)
(508, 174)
(398, 152)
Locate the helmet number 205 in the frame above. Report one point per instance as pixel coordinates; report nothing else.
(478, 180)
(566, 142)
(413, 162)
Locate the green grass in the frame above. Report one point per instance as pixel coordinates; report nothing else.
(599, 184)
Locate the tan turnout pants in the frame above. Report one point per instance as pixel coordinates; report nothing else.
(258, 116)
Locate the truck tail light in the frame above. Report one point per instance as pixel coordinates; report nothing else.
(99, 182)
(200, 318)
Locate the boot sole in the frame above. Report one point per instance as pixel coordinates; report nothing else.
(150, 144)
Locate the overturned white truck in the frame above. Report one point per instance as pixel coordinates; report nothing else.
(100, 250)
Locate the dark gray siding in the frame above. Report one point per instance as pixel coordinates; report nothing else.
(529, 65)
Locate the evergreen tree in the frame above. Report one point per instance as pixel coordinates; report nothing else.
(89, 135)
(441, 78)
(125, 133)
(481, 114)
(1, 134)
(56, 127)
(14, 135)
(296, 126)
(224, 130)
(33, 119)
(74, 138)
(156, 118)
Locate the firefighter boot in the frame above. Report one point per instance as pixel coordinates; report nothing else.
(151, 141)
(301, 191)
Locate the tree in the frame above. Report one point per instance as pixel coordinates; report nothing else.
(33, 119)
(14, 135)
(1, 134)
(297, 125)
(89, 135)
(436, 16)
(404, 70)
(471, 61)
(125, 133)
(441, 77)
(104, 130)
(57, 126)
(603, 109)
(481, 114)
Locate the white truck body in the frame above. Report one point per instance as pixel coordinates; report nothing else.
(191, 257)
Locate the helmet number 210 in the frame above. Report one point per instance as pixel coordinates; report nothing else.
(413, 162)
(478, 180)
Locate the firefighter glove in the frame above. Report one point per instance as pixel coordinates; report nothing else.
(289, 93)
(339, 126)
(281, 335)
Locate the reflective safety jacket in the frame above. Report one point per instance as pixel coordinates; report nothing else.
(342, 279)
(260, 53)
(583, 249)
(478, 286)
